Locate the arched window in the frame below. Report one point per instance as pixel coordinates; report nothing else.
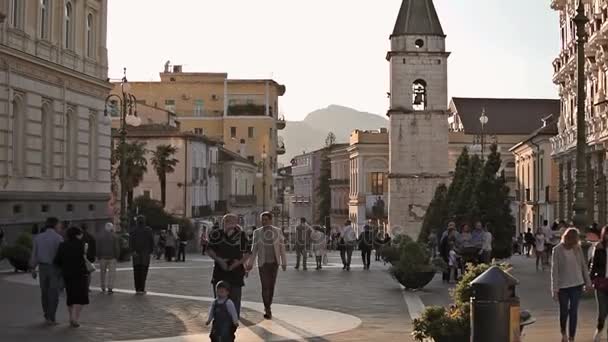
(70, 143)
(44, 19)
(90, 36)
(419, 95)
(18, 134)
(16, 14)
(67, 23)
(47, 140)
(93, 146)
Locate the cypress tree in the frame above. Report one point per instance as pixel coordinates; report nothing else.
(436, 215)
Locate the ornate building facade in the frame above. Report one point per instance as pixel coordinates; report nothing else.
(54, 138)
(596, 109)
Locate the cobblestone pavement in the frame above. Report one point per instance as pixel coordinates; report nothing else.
(330, 305)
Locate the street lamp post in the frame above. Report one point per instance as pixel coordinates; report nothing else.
(128, 116)
(264, 156)
(580, 207)
(483, 119)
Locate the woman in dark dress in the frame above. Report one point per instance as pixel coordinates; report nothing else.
(70, 259)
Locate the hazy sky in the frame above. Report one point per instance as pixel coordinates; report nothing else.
(333, 51)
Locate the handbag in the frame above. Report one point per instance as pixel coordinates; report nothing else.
(600, 284)
(89, 265)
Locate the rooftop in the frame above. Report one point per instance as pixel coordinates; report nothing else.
(418, 17)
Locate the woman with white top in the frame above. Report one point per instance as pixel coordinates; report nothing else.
(600, 282)
(539, 248)
(569, 277)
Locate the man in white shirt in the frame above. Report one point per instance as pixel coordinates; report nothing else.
(486, 246)
(348, 240)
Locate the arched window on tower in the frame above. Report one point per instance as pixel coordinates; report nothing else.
(419, 95)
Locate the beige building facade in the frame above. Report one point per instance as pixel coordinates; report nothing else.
(244, 114)
(339, 183)
(536, 179)
(237, 187)
(596, 108)
(54, 138)
(368, 175)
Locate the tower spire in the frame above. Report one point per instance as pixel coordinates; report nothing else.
(418, 17)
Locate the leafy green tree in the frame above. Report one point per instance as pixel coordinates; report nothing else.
(323, 189)
(164, 163)
(436, 215)
(460, 176)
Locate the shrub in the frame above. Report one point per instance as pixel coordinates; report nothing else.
(19, 253)
(410, 262)
(25, 240)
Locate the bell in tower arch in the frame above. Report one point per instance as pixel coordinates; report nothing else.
(419, 95)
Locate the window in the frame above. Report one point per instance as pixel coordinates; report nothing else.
(17, 209)
(90, 36)
(147, 193)
(48, 140)
(233, 132)
(419, 43)
(251, 159)
(44, 19)
(271, 191)
(419, 95)
(270, 133)
(93, 146)
(18, 134)
(17, 14)
(69, 207)
(91, 207)
(377, 183)
(199, 107)
(44, 208)
(170, 105)
(250, 132)
(198, 131)
(68, 30)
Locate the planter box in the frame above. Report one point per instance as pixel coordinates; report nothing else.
(415, 281)
(19, 264)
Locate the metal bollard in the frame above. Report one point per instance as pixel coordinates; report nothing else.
(495, 311)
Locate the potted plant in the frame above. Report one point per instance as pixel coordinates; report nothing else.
(453, 323)
(411, 262)
(19, 253)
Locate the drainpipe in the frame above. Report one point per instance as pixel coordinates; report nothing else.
(10, 110)
(186, 177)
(65, 136)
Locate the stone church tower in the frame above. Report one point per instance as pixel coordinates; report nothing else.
(418, 115)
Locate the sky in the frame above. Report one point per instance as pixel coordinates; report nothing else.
(333, 51)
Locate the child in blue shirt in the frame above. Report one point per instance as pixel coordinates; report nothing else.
(223, 315)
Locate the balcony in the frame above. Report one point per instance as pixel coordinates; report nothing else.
(300, 199)
(281, 124)
(249, 109)
(280, 146)
(201, 211)
(243, 200)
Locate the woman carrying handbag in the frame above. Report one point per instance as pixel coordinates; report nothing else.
(599, 278)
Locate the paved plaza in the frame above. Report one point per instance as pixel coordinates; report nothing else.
(328, 305)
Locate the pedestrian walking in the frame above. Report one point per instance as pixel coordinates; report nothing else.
(204, 241)
(269, 250)
(170, 242)
(599, 278)
(141, 243)
(70, 259)
(319, 246)
(569, 277)
(486, 246)
(108, 252)
(182, 244)
(449, 238)
(223, 314)
(303, 232)
(1, 237)
(453, 262)
(378, 243)
(366, 241)
(348, 239)
(44, 251)
(89, 240)
(161, 244)
(540, 248)
(230, 249)
(530, 242)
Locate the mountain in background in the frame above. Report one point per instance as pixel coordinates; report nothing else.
(309, 134)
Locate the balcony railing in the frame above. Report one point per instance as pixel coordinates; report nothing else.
(281, 146)
(248, 109)
(281, 123)
(201, 211)
(243, 200)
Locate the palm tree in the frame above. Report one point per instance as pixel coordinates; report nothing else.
(137, 166)
(164, 163)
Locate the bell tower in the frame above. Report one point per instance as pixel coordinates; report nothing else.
(418, 141)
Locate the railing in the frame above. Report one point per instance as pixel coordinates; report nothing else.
(249, 109)
(243, 200)
(280, 146)
(281, 123)
(201, 211)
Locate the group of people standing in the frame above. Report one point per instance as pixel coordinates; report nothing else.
(63, 259)
(459, 248)
(167, 242)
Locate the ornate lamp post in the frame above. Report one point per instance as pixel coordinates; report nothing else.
(128, 116)
(262, 174)
(580, 208)
(483, 119)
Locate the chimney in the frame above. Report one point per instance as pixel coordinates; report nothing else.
(177, 69)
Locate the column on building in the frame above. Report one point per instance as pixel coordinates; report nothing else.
(561, 214)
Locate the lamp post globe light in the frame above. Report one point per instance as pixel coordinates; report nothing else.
(127, 103)
(483, 119)
(580, 207)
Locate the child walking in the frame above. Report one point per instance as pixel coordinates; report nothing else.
(540, 242)
(223, 315)
(453, 263)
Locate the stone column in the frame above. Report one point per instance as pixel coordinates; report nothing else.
(561, 193)
(601, 188)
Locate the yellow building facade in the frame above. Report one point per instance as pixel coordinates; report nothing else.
(244, 114)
